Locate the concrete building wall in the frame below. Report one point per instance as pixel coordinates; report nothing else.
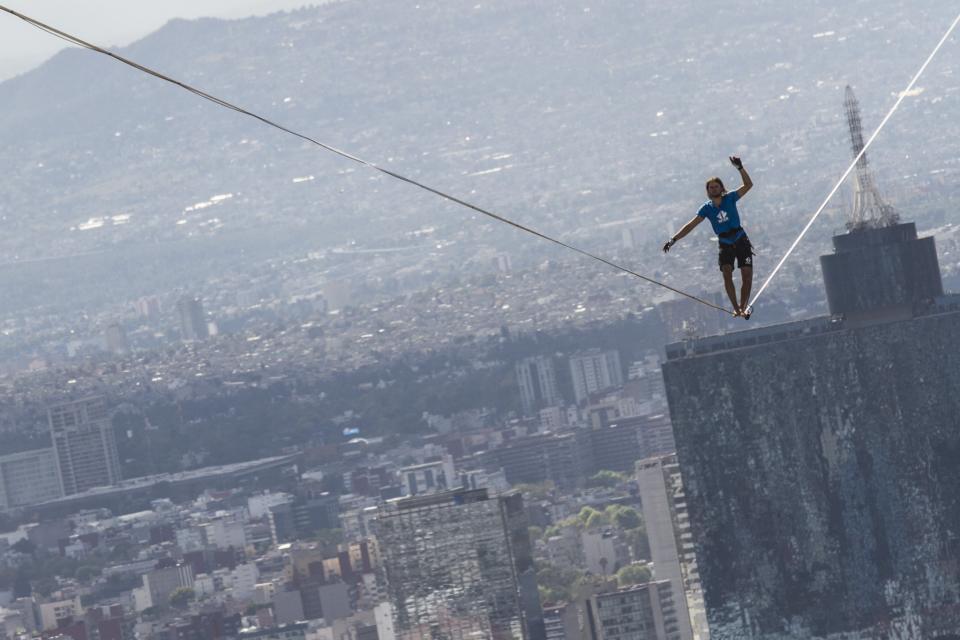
(821, 464)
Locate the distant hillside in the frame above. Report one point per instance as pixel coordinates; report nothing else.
(562, 112)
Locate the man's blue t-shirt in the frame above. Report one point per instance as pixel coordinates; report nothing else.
(725, 217)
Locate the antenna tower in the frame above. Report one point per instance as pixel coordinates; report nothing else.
(869, 209)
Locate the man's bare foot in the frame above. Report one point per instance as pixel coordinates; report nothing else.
(736, 312)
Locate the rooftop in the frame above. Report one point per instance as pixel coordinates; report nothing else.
(786, 331)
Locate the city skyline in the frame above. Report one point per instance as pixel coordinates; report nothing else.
(252, 389)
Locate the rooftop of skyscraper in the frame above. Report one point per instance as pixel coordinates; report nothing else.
(949, 303)
(874, 276)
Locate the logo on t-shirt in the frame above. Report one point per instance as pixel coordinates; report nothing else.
(722, 216)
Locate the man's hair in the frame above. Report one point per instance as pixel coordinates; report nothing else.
(718, 181)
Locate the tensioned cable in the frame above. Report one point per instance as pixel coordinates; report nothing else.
(223, 103)
(900, 98)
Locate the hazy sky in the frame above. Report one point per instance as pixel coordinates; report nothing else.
(108, 22)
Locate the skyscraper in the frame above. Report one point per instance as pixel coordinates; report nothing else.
(148, 308)
(459, 565)
(595, 370)
(116, 339)
(538, 384)
(821, 457)
(84, 445)
(667, 524)
(193, 322)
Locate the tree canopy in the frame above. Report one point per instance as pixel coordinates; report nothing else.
(635, 573)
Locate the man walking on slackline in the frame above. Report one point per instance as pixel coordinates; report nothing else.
(721, 210)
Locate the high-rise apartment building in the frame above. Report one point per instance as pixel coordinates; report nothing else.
(595, 370)
(148, 308)
(537, 378)
(84, 445)
(667, 524)
(193, 322)
(116, 339)
(821, 458)
(641, 612)
(459, 565)
(539, 458)
(28, 478)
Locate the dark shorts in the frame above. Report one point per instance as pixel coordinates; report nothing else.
(741, 251)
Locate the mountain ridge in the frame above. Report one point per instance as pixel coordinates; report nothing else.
(562, 114)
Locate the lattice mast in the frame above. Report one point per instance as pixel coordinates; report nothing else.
(869, 209)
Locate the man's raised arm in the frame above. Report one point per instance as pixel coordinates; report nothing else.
(747, 182)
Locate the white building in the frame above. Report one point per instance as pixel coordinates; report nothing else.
(671, 542)
(244, 579)
(159, 584)
(259, 505)
(227, 532)
(52, 613)
(593, 371)
(383, 614)
(428, 477)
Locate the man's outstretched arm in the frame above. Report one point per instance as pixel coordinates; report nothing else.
(747, 182)
(687, 228)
